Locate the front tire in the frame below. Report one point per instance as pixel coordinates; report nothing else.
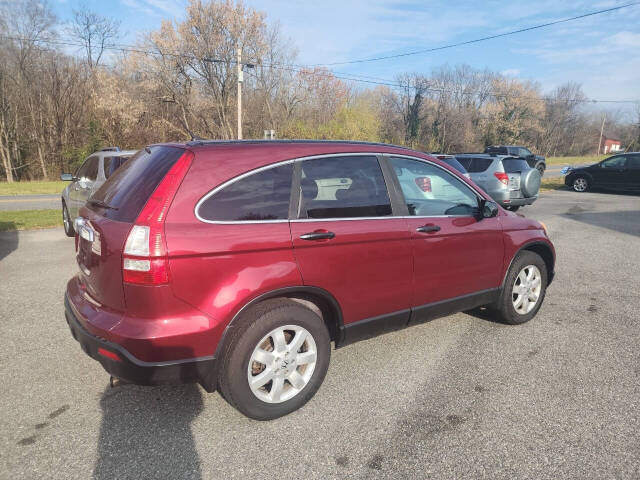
(580, 184)
(67, 222)
(524, 289)
(276, 359)
(541, 170)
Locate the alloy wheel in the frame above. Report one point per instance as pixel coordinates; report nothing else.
(526, 289)
(580, 184)
(282, 364)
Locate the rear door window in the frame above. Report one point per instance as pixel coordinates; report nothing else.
(633, 162)
(131, 185)
(515, 165)
(343, 187)
(260, 196)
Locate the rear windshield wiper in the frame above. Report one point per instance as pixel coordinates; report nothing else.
(100, 203)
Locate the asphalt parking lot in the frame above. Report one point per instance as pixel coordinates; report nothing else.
(459, 397)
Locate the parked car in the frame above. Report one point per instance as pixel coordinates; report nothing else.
(620, 172)
(452, 162)
(235, 264)
(509, 181)
(534, 161)
(93, 172)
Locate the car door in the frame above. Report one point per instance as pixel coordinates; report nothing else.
(633, 172)
(611, 173)
(347, 241)
(456, 257)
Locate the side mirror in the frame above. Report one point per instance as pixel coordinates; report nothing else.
(489, 210)
(67, 177)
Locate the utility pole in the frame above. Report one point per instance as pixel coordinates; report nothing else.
(601, 132)
(240, 79)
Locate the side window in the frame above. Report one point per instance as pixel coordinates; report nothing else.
(92, 169)
(614, 162)
(633, 162)
(524, 152)
(259, 196)
(343, 187)
(89, 170)
(430, 191)
(475, 165)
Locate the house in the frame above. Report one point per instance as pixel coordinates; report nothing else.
(610, 145)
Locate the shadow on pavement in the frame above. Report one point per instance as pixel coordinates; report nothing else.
(8, 239)
(146, 433)
(625, 221)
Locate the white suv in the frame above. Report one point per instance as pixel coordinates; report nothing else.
(93, 172)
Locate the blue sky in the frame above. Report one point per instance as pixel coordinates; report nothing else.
(600, 52)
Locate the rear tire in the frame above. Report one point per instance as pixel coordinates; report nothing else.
(264, 343)
(67, 222)
(524, 289)
(580, 184)
(513, 209)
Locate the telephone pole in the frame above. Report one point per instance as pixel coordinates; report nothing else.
(601, 132)
(240, 79)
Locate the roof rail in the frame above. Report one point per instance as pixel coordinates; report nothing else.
(110, 149)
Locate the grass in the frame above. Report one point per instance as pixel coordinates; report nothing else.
(575, 160)
(553, 183)
(29, 219)
(32, 188)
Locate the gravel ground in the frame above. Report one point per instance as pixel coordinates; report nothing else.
(458, 397)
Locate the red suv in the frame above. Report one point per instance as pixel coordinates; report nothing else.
(235, 264)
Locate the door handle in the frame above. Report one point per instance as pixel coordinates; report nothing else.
(317, 236)
(428, 229)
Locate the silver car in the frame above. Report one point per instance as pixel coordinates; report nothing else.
(510, 181)
(93, 172)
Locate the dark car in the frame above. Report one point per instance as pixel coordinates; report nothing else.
(620, 172)
(534, 161)
(236, 264)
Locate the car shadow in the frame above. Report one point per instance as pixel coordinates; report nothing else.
(146, 431)
(624, 221)
(484, 313)
(8, 239)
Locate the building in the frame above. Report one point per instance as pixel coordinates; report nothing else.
(610, 145)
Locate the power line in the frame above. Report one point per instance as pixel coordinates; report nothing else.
(477, 40)
(305, 70)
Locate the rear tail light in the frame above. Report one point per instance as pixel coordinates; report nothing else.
(503, 177)
(145, 260)
(424, 183)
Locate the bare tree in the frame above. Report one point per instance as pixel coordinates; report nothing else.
(94, 32)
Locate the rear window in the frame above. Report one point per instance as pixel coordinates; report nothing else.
(475, 164)
(130, 186)
(514, 165)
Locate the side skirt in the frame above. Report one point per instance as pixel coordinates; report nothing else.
(372, 327)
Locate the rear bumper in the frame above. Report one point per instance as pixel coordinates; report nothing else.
(504, 199)
(120, 363)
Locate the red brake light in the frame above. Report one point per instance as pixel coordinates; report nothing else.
(145, 259)
(423, 183)
(503, 177)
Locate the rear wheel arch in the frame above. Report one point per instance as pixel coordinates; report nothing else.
(316, 299)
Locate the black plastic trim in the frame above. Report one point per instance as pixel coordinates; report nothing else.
(372, 327)
(431, 311)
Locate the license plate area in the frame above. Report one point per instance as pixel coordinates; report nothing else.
(514, 182)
